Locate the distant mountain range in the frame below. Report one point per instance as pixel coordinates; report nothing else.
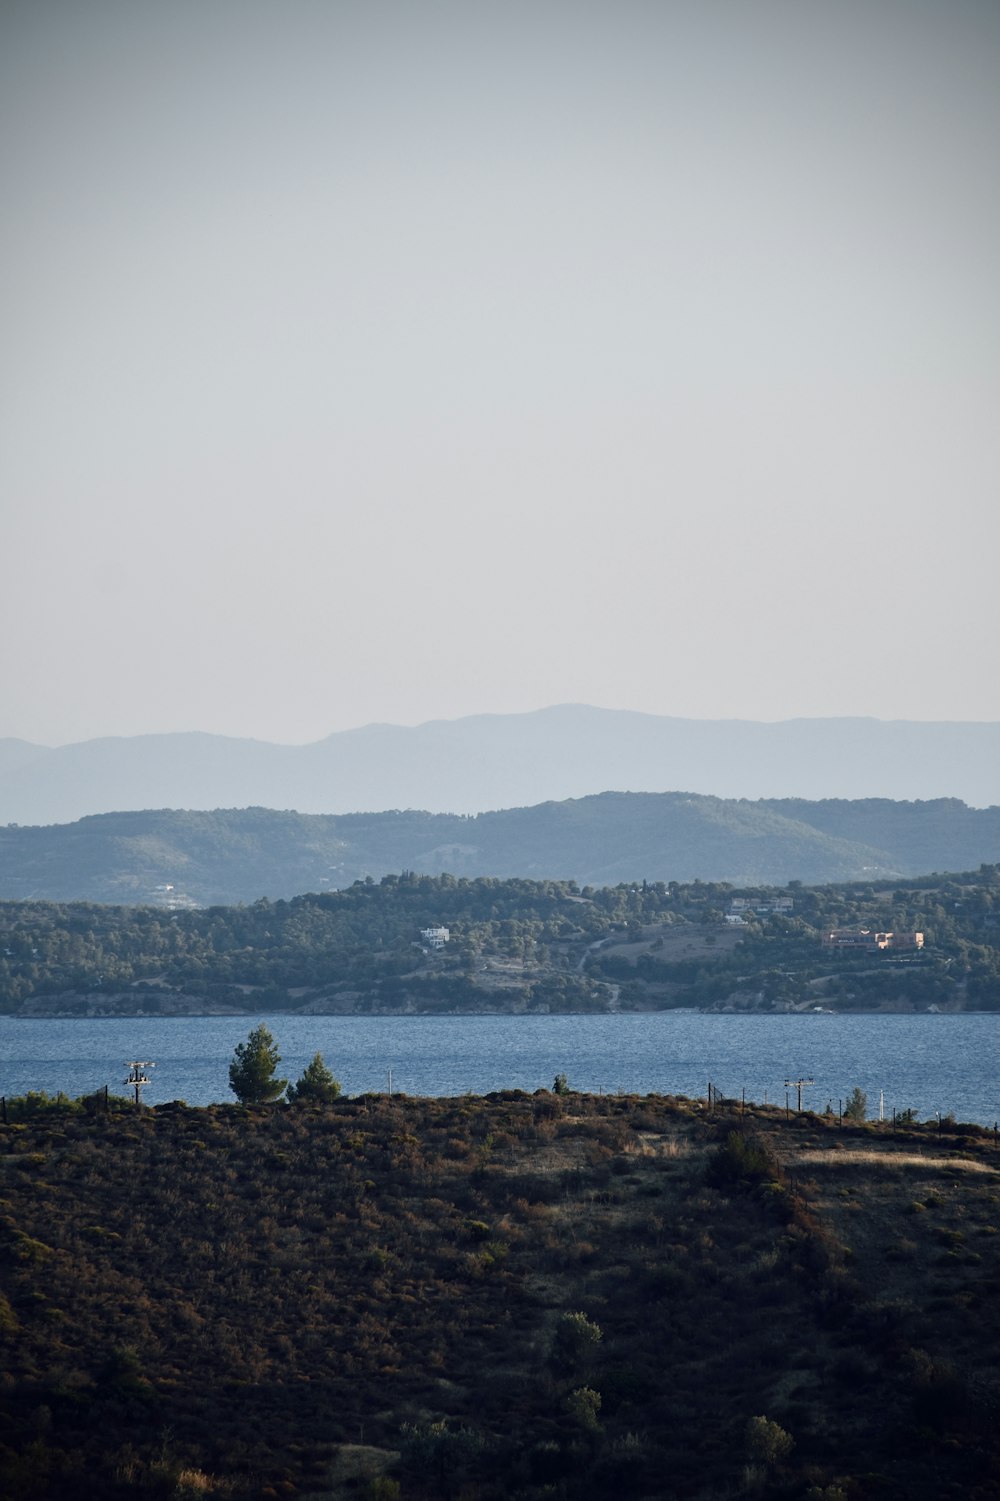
(505, 761)
(238, 855)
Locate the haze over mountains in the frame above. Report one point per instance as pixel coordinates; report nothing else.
(488, 762)
(239, 855)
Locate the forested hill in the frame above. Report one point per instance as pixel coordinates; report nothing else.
(514, 946)
(239, 855)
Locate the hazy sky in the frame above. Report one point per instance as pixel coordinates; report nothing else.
(394, 361)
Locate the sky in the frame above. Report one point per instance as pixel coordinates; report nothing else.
(375, 361)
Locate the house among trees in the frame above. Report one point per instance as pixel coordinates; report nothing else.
(434, 938)
(864, 938)
(781, 904)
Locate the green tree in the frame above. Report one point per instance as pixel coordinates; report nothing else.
(856, 1108)
(559, 1084)
(317, 1086)
(255, 1063)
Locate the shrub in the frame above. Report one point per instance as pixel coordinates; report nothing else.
(584, 1406)
(767, 1442)
(741, 1159)
(36, 1102)
(382, 1488)
(575, 1339)
(434, 1450)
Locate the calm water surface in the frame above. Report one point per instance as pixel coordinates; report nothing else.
(927, 1063)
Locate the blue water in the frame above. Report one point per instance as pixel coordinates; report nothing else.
(926, 1063)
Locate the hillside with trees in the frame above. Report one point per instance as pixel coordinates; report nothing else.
(515, 946)
(174, 858)
(516, 1298)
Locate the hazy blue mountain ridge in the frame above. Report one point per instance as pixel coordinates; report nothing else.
(502, 761)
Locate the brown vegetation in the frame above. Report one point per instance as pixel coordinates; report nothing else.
(518, 1296)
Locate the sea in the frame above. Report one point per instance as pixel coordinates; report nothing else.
(933, 1064)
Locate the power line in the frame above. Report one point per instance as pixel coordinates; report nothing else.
(137, 1076)
(798, 1085)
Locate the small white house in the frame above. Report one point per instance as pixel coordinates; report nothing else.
(434, 938)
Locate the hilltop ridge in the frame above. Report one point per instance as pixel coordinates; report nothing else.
(491, 761)
(237, 855)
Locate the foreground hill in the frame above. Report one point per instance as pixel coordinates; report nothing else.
(239, 855)
(515, 946)
(504, 761)
(507, 1298)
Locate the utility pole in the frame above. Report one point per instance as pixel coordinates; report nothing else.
(797, 1085)
(390, 1083)
(137, 1075)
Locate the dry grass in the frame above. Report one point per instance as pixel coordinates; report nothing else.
(893, 1161)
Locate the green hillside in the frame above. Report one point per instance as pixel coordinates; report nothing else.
(238, 855)
(514, 945)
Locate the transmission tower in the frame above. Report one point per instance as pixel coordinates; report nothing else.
(137, 1075)
(798, 1085)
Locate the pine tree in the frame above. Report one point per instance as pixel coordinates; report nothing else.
(317, 1086)
(857, 1105)
(252, 1071)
